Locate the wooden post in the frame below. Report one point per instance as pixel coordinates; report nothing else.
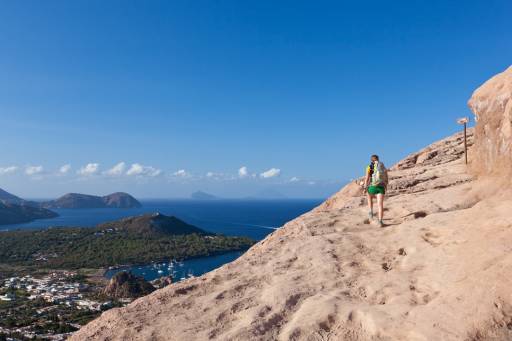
(465, 144)
(465, 121)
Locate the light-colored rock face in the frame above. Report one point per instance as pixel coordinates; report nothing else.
(492, 105)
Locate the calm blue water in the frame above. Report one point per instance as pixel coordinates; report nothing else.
(251, 218)
(179, 270)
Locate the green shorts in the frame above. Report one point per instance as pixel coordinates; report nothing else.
(376, 190)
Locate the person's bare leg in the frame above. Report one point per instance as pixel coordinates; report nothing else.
(370, 204)
(380, 202)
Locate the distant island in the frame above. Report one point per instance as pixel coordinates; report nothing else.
(134, 240)
(77, 200)
(7, 197)
(15, 210)
(10, 198)
(200, 195)
(17, 214)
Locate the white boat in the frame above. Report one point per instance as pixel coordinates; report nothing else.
(160, 271)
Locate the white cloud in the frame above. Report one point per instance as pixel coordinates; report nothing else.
(33, 170)
(216, 176)
(312, 183)
(219, 176)
(65, 169)
(272, 172)
(89, 169)
(8, 170)
(294, 179)
(137, 169)
(116, 170)
(181, 173)
(243, 172)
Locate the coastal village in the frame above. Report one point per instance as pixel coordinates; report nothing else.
(46, 301)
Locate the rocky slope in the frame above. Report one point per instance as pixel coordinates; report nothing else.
(441, 268)
(77, 200)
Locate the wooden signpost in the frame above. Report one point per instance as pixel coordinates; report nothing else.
(465, 121)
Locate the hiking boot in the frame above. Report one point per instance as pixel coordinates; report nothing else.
(370, 215)
(381, 224)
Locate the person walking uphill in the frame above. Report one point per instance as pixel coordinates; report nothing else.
(375, 184)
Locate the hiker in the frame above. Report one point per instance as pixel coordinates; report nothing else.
(375, 184)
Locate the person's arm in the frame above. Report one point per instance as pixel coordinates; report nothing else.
(367, 179)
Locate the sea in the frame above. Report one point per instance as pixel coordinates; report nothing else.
(250, 218)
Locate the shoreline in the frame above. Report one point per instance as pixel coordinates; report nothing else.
(116, 267)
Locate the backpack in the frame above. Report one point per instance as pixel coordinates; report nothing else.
(379, 174)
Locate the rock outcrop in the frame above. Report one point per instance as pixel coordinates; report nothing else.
(440, 269)
(492, 106)
(126, 285)
(162, 282)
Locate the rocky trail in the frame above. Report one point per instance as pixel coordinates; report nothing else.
(440, 269)
(332, 274)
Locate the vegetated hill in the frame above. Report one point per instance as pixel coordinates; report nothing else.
(200, 195)
(77, 200)
(440, 269)
(135, 240)
(153, 223)
(16, 214)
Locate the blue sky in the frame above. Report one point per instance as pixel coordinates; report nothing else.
(186, 93)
